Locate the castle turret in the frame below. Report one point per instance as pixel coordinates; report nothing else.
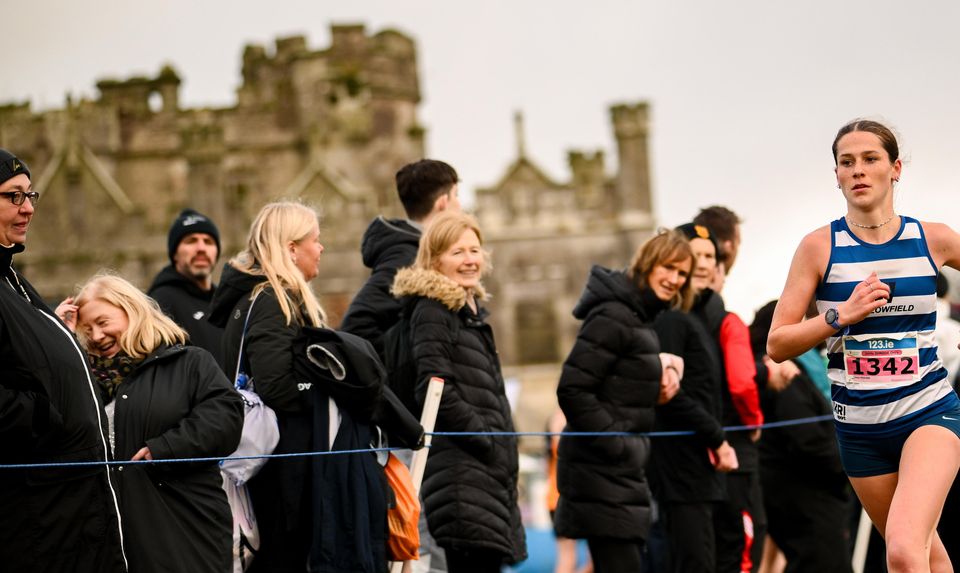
(631, 128)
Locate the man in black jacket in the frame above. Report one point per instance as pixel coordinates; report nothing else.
(426, 187)
(184, 287)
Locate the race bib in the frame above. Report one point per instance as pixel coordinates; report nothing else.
(882, 358)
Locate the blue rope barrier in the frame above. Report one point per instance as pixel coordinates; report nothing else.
(182, 460)
(782, 424)
(796, 422)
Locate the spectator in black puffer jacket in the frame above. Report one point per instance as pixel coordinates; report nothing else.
(611, 382)
(425, 187)
(470, 485)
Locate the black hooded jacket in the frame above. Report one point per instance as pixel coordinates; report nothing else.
(470, 484)
(188, 305)
(388, 245)
(54, 519)
(711, 311)
(278, 491)
(610, 383)
(680, 467)
(178, 403)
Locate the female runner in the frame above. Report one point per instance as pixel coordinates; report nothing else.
(874, 273)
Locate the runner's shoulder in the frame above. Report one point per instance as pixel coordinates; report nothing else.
(943, 242)
(936, 231)
(815, 244)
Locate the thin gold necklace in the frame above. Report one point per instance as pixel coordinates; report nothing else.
(877, 226)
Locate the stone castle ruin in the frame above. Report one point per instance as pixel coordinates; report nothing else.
(331, 126)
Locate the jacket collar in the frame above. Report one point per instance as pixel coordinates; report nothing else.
(7, 252)
(412, 281)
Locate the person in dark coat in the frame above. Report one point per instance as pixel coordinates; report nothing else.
(62, 519)
(185, 286)
(804, 488)
(611, 382)
(470, 484)
(686, 471)
(426, 187)
(164, 401)
(270, 282)
(740, 523)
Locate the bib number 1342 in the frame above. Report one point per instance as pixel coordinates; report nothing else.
(891, 366)
(881, 360)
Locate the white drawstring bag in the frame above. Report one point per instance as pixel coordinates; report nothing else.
(260, 437)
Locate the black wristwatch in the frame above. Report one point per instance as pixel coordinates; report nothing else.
(832, 317)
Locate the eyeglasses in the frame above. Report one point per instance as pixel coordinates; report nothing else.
(18, 197)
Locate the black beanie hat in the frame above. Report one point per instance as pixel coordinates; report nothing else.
(694, 231)
(187, 222)
(10, 166)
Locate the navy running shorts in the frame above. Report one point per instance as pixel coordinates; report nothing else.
(866, 456)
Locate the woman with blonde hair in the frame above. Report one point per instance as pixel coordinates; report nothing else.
(264, 299)
(163, 400)
(613, 378)
(470, 485)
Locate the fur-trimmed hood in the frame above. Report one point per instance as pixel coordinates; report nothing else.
(412, 281)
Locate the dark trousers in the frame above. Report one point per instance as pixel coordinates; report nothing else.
(473, 561)
(690, 537)
(809, 525)
(740, 524)
(615, 555)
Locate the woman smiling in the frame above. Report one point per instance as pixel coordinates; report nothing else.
(611, 382)
(470, 486)
(164, 400)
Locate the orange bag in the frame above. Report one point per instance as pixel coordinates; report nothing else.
(403, 516)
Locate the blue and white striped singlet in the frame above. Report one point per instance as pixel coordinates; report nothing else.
(890, 402)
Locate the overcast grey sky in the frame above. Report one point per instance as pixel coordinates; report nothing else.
(746, 96)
